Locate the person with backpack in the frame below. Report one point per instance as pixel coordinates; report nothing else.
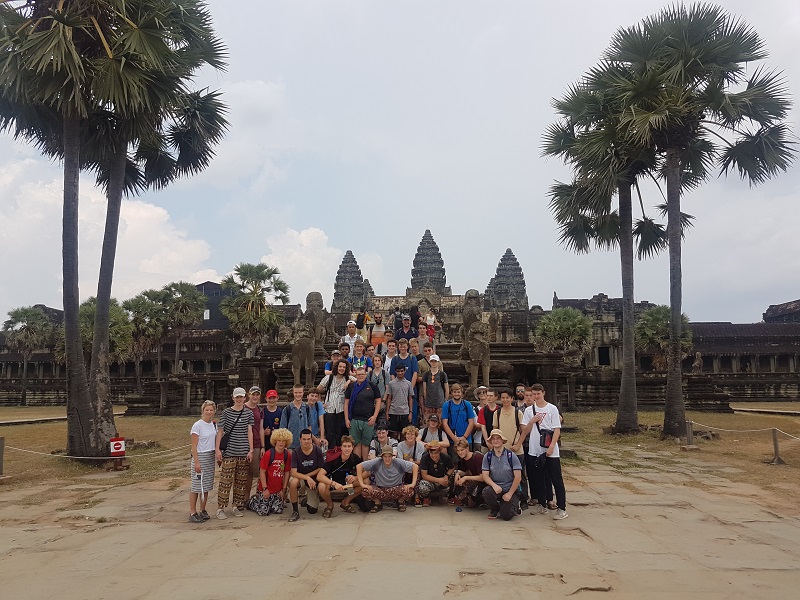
(274, 470)
(317, 416)
(486, 416)
(271, 417)
(502, 473)
(398, 400)
(332, 388)
(458, 419)
(433, 432)
(435, 387)
(508, 420)
(361, 409)
(296, 416)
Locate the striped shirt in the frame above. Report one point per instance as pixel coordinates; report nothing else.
(237, 440)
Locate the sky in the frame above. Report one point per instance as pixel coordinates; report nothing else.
(358, 125)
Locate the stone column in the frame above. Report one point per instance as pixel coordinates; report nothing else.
(773, 363)
(716, 364)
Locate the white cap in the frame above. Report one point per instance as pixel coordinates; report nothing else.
(434, 357)
(351, 322)
(239, 392)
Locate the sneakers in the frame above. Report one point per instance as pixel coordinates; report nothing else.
(560, 514)
(195, 518)
(295, 516)
(236, 512)
(533, 502)
(204, 515)
(417, 502)
(221, 514)
(426, 502)
(493, 514)
(539, 510)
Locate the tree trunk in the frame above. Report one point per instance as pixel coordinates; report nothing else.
(80, 416)
(674, 411)
(99, 375)
(627, 416)
(138, 365)
(24, 398)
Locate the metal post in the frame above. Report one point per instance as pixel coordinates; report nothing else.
(776, 459)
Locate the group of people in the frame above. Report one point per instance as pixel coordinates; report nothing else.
(353, 442)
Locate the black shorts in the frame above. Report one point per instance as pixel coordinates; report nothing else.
(398, 422)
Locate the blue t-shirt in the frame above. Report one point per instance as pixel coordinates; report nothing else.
(458, 416)
(272, 420)
(410, 361)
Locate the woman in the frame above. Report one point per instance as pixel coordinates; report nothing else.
(274, 470)
(202, 434)
(332, 388)
(234, 454)
(431, 323)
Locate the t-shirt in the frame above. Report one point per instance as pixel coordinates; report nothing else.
(378, 334)
(306, 463)
(317, 410)
(436, 469)
(272, 421)
(387, 364)
(334, 398)
(551, 421)
(399, 334)
(375, 446)
(275, 467)
(391, 476)
(256, 426)
(360, 361)
(364, 406)
(379, 379)
(426, 435)
(473, 466)
(206, 432)
(238, 445)
(501, 472)
(409, 361)
(434, 396)
(338, 469)
(412, 452)
(487, 413)
(458, 416)
(507, 423)
(295, 420)
(350, 341)
(400, 389)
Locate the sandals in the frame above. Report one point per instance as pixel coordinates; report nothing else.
(348, 508)
(326, 514)
(401, 507)
(377, 508)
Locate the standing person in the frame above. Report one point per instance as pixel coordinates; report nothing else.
(415, 315)
(271, 417)
(411, 372)
(274, 472)
(296, 415)
(344, 350)
(542, 422)
(398, 401)
(332, 387)
(397, 318)
(337, 476)
(317, 417)
(359, 359)
(458, 419)
(431, 323)
(405, 331)
(486, 415)
(253, 398)
(335, 355)
(519, 396)
(502, 473)
(383, 348)
(361, 409)
(509, 420)
(234, 454)
(424, 365)
(350, 337)
(377, 333)
(363, 321)
(423, 338)
(532, 501)
(435, 388)
(307, 461)
(468, 482)
(480, 397)
(388, 472)
(391, 352)
(378, 376)
(202, 434)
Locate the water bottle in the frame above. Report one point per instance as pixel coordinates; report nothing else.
(323, 445)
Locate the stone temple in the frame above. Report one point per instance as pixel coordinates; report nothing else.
(738, 362)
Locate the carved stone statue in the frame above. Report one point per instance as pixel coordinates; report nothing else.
(478, 349)
(470, 313)
(315, 314)
(494, 317)
(303, 353)
(331, 337)
(285, 334)
(697, 365)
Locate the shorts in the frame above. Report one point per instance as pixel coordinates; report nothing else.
(398, 422)
(255, 464)
(361, 431)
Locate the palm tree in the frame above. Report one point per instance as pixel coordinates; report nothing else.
(652, 335)
(684, 91)
(184, 309)
(249, 310)
(565, 330)
(27, 329)
(147, 318)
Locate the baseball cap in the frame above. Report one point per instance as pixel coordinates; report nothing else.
(434, 357)
(433, 418)
(405, 316)
(272, 394)
(255, 388)
(238, 392)
(387, 449)
(351, 322)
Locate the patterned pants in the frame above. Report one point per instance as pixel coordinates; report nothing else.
(428, 488)
(399, 492)
(233, 474)
(470, 493)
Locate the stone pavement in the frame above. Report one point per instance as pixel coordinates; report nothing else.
(641, 527)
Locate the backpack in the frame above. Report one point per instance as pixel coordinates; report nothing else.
(496, 421)
(273, 454)
(508, 454)
(439, 432)
(360, 321)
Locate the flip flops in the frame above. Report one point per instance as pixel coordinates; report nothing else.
(377, 508)
(348, 508)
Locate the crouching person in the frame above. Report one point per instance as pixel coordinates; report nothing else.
(388, 472)
(274, 471)
(502, 473)
(436, 474)
(469, 482)
(307, 461)
(337, 479)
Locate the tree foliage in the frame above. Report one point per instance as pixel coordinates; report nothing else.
(652, 335)
(565, 330)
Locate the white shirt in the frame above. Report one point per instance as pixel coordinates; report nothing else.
(551, 421)
(206, 432)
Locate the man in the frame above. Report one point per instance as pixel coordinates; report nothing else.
(296, 416)
(486, 415)
(362, 404)
(381, 440)
(397, 316)
(398, 400)
(344, 351)
(406, 332)
(351, 336)
(509, 420)
(468, 481)
(338, 479)
(424, 365)
(307, 461)
(435, 388)
(369, 352)
(253, 398)
(480, 397)
(437, 474)
(388, 472)
(391, 352)
(271, 417)
(528, 401)
(519, 396)
(335, 355)
(377, 333)
(537, 421)
(317, 410)
(502, 473)
(412, 371)
(458, 419)
(359, 358)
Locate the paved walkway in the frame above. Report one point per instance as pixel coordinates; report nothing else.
(654, 527)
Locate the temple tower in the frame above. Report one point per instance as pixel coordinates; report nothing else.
(428, 270)
(506, 290)
(350, 289)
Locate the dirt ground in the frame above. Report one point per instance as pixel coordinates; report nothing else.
(646, 520)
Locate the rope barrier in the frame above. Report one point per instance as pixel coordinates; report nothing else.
(734, 430)
(105, 458)
(789, 434)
